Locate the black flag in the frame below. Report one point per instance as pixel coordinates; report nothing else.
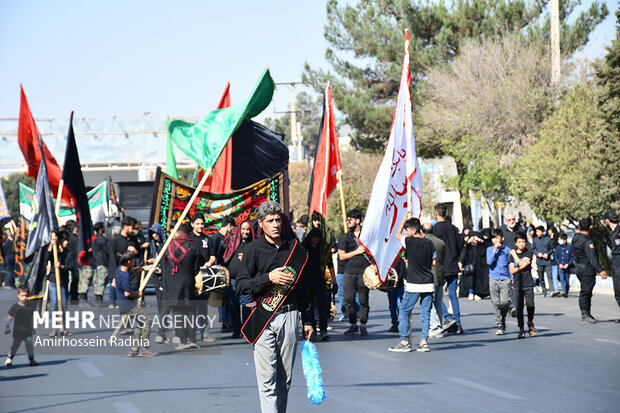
(74, 182)
(41, 227)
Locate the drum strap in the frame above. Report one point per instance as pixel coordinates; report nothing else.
(267, 307)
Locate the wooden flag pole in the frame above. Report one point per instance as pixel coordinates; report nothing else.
(58, 289)
(161, 253)
(59, 197)
(344, 212)
(409, 199)
(142, 276)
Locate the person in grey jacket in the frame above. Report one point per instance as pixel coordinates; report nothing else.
(542, 247)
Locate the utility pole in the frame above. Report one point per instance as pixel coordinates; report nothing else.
(555, 43)
(294, 121)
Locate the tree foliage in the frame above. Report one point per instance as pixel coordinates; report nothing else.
(608, 145)
(486, 107)
(366, 48)
(559, 174)
(10, 184)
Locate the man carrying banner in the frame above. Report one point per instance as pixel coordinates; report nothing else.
(272, 271)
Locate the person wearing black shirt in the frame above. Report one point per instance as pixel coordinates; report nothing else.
(319, 258)
(275, 349)
(207, 259)
(449, 234)
(611, 220)
(100, 263)
(72, 260)
(351, 251)
(233, 258)
(62, 240)
(588, 265)
(217, 240)
(520, 266)
(119, 244)
(21, 313)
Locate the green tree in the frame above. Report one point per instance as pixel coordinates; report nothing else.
(608, 145)
(310, 112)
(559, 174)
(486, 107)
(10, 184)
(366, 49)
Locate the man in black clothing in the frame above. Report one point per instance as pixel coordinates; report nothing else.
(217, 240)
(72, 262)
(99, 262)
(207, 258)
(509, 229)
(118, 244)
(351, 251)
(275, 349)
(449, 234)
(611, 220)
(588, 265)
(520, 266)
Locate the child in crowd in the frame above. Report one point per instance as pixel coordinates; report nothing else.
(419, 284)
(564, 257)
(499, 278)
(520, 264)
(126, 295)
(21, 313)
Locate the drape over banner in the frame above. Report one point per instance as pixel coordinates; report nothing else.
(204, 141)
(170, 197)
(97, 202)
(327, 169)
(399, 168)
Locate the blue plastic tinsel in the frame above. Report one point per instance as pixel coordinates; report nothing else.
(312, 371)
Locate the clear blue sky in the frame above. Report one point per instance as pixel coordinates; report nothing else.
(103, 58)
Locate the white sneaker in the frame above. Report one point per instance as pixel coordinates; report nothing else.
(477, 298)
(436, 333)
(8, 362)
(470, 297)
(176, 340)
(341, 318)
(208, 338)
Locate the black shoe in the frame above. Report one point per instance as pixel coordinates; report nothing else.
(363, 330)
(33, 362)
(617, 320)
(565, 295)
(448, 325)
(513, 312)
(236, 335)
(352, 330)
(393, 329)
(521, 334)
(324, 336)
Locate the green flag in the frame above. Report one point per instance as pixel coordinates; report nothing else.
(204, 141)
(171, 163)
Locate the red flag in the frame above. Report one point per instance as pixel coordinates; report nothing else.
(327, 168)
(221, 178)
(28, 139)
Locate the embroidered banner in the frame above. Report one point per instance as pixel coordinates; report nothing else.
(170, 197)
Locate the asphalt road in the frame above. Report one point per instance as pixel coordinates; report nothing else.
(567, 367)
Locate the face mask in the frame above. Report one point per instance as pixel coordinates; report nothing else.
(561, 242)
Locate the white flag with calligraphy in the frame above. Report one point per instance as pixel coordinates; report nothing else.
(399, 168)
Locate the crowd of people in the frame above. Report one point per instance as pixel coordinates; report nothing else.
(508, 264)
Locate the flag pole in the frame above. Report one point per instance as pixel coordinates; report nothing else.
(61, 185)
(344, 213)
(175, 229)
(58, 289)
(161, 253)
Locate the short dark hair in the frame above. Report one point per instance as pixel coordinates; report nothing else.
(563, 235)
(197, 215)
(585, 224)
(124, 257)
(427, 228)
(414, 224)
(228, 220)
(355, 214)
(23, 288)
(520, 235)
(303, 220)
(184, 228)
(129, 222)
(316, 216)
(540, 228)
(442, 210)
(63, 235)
(98, 226)
(70, 225)
(496, 232)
